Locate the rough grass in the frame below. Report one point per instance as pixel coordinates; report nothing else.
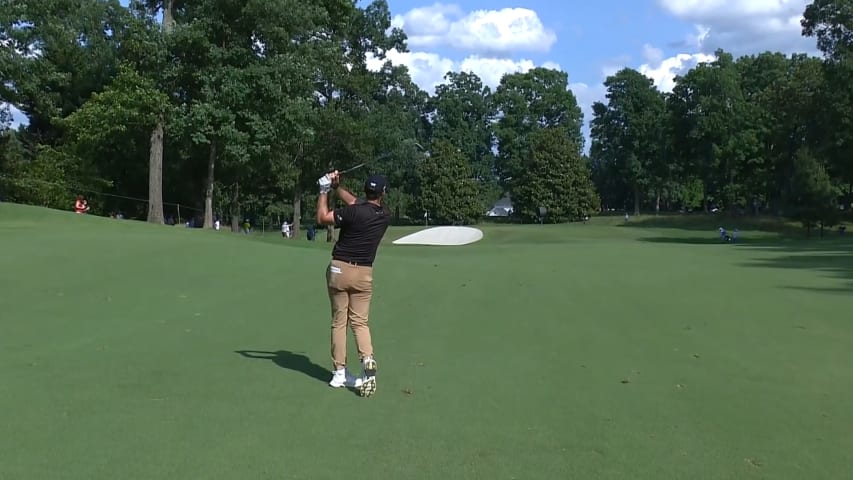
(577, 351)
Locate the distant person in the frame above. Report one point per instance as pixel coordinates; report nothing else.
(285, 229)
(217, 224)
(349, 275)
(81, 206)
(310, 233)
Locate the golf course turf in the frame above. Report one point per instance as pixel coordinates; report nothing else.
(579, 351)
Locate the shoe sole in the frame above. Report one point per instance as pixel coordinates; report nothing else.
(368, 388)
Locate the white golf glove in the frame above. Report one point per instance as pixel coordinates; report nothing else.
(325, 184)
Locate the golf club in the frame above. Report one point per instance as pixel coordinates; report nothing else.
(351, 168)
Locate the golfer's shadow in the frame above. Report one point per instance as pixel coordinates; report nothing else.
(291, 361)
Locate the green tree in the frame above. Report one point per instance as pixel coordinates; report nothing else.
(525, 103)
(798, 123)
(830, 22)
(148, 10)
(102, 129)
(815, 196)
(626, 132)
(712, 126)
(760, 79)
(553, 175)
(448, 189)
(462, 112)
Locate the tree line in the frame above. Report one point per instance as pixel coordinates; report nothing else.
(236, 107)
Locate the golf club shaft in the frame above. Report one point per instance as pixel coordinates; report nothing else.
(352, 168)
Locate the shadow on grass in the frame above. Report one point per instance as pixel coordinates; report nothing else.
(711, 222)
(835, 259)
(832, 255)
(708, 240)
(295, 362)
(291, 361)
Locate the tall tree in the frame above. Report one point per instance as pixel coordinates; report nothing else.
(553, 175)
(462, 114)
(713, 129)
(524, 103)
(448, 189)
(815, 198)
(830, 22)
(626, 132)
(155, 156)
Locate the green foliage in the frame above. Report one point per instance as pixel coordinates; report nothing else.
(627, 136)
(463, 112)
(55, 54)
(814, 198)
(553, 175)
(130, 103)
(831, 22)
(528, 102)
(448, 189)
(256, 99)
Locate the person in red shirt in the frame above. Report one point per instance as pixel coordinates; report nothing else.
(81, 205)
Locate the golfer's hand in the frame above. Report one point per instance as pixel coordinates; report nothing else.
(335, 178)
(325, 183)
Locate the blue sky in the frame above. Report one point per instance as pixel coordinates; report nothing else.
(588, 40)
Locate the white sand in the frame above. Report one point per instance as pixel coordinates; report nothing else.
(442, 236)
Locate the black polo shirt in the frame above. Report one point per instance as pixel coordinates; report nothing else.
(362, 226)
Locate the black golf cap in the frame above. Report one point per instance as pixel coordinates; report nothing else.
(375, 184)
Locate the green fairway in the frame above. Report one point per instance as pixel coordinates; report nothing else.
(580, 351)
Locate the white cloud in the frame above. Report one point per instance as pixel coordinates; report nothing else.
(428, 69)
(743, 26)
(481, 31)
(652, 54)
(663, 72)
(698, 10)
(738, 26)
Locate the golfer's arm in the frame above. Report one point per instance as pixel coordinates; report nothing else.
(346, 195)
(324, 215)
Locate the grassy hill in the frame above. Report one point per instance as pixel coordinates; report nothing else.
(596, 350)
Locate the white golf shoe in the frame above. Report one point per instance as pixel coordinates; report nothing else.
(343, 378)
(368, 383)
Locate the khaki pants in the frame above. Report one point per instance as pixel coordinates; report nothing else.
(350, 289)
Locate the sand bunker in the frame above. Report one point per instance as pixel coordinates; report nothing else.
(442, 236)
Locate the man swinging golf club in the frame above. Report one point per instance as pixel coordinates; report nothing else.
(349, 276)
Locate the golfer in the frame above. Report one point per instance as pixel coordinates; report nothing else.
(349, 276)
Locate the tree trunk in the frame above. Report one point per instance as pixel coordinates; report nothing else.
(235, 209)
(155, 176)
(208, 191)
(330, 233)
(636, 201)
(657, 202)
(297, 211)
(168, 18)
(155, 152)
